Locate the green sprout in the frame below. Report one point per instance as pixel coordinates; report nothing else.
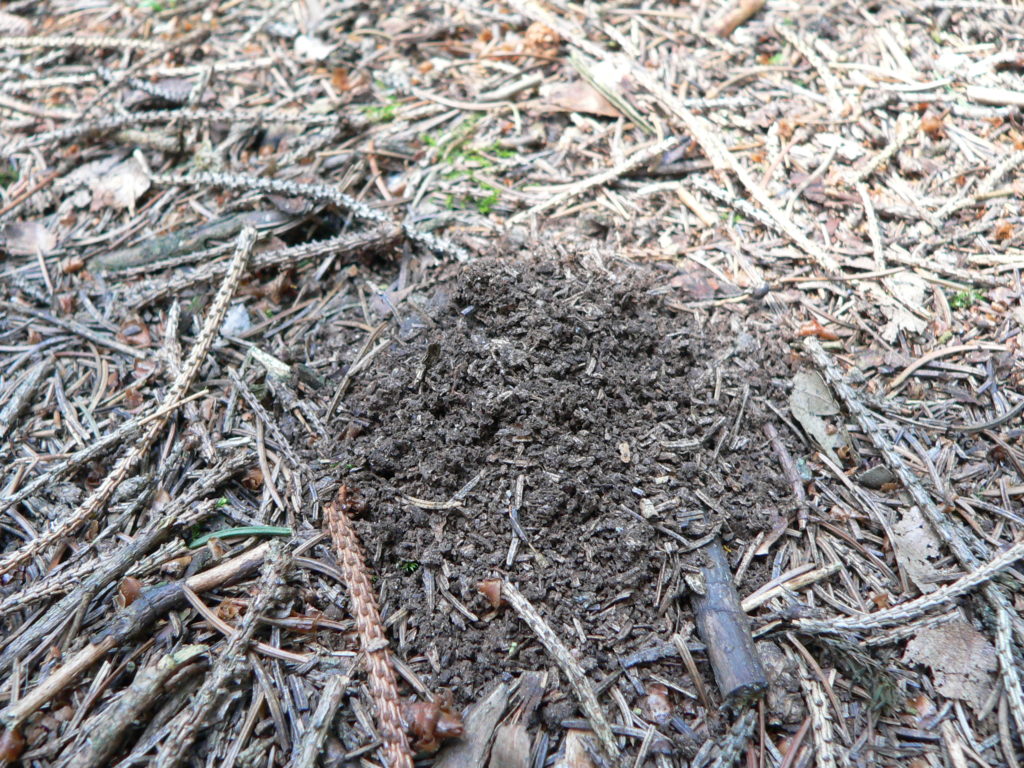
(409, 566)
(381, 113)
(8, 176)
(965, 299)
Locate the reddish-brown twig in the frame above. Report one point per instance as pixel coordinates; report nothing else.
(371, 630)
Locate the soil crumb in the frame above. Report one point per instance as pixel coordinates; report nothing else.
(559, 427)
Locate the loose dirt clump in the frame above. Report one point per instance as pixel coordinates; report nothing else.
(557, 426)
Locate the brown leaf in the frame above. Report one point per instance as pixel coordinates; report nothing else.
(962, 661)
(511, 747)
(27, 238)
(577, 96)
(120, 187)
(431, 723)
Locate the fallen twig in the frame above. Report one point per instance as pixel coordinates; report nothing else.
(99, 497)
(560, 654)
(725, 630)
(372, 638)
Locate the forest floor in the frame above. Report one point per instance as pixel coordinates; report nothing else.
(534, 303)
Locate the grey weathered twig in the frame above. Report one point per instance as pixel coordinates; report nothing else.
(561, 656)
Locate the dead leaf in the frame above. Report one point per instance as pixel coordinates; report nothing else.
(962, 661)
(905, 291)
(14, 25)
(511, 748)
(577, 96)
(809, 401)
(309, 48)
(120, 187)
(27, 238)
(916, 547)
(575, 753)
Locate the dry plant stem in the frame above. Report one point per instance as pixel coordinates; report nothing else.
(123, 43)
(150, 606)
(107, 729)
(821, 720)
(342, 246)
(704, 134)
(372, 638)
(161, 117)
(99, 498)
(115, 566)
(725, 630)
(734, 742)
(633, 161)
(194, 717)
(940, 524)
(917, 608)
(81, 457)
(560, 654)
(325, 193)
(308, 749)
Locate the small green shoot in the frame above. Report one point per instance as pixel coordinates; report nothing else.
(965, 299)
(409, 566)
(234, 533)
(222, 502)
(380, 113)
(8, 176)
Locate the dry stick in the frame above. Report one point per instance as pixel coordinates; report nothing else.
(99, 498)
(190, 720)
(150, 606)
(74, 327)
(702, 132)
(343, 246)
(939, 522)
(118, 563)
(725, 630)
(560, 654)
(633, 161)
(308, 749)
(325, 193)
(163, 117)
(372, 638)
(84, 455)
(107, 729)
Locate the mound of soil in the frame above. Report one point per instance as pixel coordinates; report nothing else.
(560, 428)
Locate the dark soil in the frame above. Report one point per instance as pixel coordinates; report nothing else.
(570, 382)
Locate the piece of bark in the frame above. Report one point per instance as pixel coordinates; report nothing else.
(725, 630)
(480, 723)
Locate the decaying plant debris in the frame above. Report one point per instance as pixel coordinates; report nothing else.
(619, 321)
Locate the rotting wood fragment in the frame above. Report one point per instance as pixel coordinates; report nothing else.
(725, 630)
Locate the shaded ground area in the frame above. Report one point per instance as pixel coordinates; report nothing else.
(558, 291)
(537, 426)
